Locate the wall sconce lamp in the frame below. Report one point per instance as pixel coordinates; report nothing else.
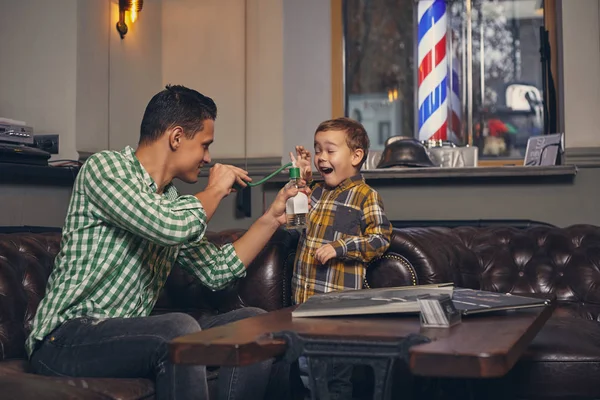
(539, 8)
(132, 7)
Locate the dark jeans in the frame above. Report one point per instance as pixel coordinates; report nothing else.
(138, 348)
(339, 378)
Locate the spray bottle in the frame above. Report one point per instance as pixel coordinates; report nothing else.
(296, 207)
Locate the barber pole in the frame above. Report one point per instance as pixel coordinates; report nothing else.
(433, 82)
(455, 106)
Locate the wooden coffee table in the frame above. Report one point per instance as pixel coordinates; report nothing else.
(481, 346)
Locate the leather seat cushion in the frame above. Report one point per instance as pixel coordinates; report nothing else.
(109, 388)
(122, 389)
(25, 386)
(563, 360)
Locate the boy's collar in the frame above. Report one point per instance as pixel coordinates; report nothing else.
(349, 182)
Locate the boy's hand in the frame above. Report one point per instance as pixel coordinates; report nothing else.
(303, 162)
(325, 253)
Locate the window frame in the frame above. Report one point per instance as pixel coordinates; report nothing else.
(338, 82)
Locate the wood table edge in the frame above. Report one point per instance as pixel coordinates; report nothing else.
(487, 365)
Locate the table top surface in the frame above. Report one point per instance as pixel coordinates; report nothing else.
(485, 345)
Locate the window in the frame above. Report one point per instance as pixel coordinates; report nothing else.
(466, 71)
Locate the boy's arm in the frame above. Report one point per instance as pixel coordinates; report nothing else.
(375, 239)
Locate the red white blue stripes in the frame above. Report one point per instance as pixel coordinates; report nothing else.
(433, 79)
(454, 133)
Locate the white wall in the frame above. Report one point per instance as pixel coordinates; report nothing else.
(264, 78)
(135, 72)
(93, 26)
(232, 51)
(204, 48)
(306, 71)
(581, 73)
(38, 46)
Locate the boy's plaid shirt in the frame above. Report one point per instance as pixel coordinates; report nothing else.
(119, 243)
(351, 218)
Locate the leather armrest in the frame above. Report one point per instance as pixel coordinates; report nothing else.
(436, 255)
(390, 270)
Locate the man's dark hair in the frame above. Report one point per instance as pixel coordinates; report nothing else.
(176, 105)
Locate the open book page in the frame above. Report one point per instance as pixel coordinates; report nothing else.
(471, 301)
(404, 300)
(370, 301)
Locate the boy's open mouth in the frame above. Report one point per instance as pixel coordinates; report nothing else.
(326, 170)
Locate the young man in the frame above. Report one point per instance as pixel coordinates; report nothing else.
(346, 226)
(126, 228)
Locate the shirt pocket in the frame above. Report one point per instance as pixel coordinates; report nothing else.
(347, 220)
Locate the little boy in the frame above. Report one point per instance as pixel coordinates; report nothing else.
(346, 226)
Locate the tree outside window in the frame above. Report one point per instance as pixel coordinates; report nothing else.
(493, 84)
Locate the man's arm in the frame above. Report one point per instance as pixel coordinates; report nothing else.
(216, 266)
(220, 181)
(254, 240)
(121, 201)
(376, 237)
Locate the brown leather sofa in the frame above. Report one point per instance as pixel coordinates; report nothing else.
(563, 361)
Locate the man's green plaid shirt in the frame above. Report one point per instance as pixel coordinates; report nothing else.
(119, 243)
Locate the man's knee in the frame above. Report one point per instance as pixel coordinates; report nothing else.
(181, 324)
(246, 312)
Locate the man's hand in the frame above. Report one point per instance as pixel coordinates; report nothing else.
(221, 178)
(277, 208)
(220, 181)
(325, 253)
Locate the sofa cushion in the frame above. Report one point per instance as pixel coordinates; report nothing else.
(25, 263)
(562, 361)
(565, 339)
(124, 389)
(19, 387)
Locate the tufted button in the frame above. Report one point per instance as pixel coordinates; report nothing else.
(561, 274)
(521, 273)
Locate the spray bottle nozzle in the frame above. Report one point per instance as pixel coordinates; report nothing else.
(294, 173)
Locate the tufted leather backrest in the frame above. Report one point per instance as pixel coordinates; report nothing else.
(541, 260)
(25, 263)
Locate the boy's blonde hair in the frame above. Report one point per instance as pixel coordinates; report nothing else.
(356, 135)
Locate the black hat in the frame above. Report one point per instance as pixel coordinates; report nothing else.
(405, 153)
